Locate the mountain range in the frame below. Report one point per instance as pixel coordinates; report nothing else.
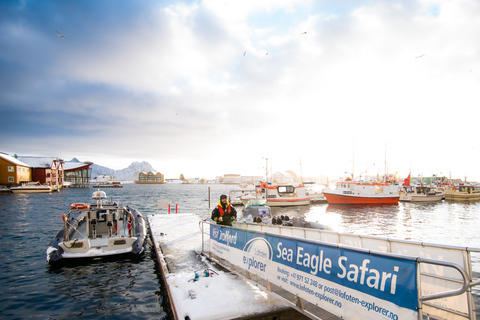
(128, 174)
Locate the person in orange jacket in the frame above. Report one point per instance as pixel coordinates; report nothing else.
(224, 213)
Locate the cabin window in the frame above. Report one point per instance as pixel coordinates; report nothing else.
(11, 179)
(11, 169)
(286, 189)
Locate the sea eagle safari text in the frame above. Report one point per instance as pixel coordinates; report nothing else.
(363, 274)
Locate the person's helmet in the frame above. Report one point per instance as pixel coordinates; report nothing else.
(223, 197)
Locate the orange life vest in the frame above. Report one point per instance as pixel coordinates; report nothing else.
(220, 208)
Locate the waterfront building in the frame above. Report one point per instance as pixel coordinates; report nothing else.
(232, 178)
(77, 173)
(283, 177)
(46, 170)
(13, 172)
(150, 177)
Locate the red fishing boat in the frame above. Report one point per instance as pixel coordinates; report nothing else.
(351, 192)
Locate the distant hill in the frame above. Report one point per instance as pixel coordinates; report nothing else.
(128, 174)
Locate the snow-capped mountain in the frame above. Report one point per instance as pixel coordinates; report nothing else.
(128, 174)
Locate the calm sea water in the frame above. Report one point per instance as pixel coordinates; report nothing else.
(132, 288)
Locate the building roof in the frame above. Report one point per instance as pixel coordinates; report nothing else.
(38, 162)
(70, 165)
(13, 160)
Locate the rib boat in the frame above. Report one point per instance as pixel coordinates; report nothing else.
(100, 229)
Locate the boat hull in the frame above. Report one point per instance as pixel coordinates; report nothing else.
(421, 198)
(31, 190)
(462, 197)
(333, 198)
(288, 202)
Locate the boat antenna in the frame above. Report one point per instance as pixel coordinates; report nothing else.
(353, 162)
(301, 172)
(385, 177)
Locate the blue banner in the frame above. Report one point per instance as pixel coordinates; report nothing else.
(387, 278)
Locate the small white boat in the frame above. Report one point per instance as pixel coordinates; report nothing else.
(279, 195)
(4, 189)
(97, 230)
(316, 195)
(421, 194)
(234, 196)
(32, 187)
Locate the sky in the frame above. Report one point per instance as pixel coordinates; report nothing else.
(206, 88)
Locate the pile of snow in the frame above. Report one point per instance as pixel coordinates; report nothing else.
(221, 295)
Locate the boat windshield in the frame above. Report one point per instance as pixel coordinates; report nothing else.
(256, 202)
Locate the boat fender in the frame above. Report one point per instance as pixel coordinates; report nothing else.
(63, 218)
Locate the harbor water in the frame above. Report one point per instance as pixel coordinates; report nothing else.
(130, 288)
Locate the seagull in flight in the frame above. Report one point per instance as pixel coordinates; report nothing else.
(419, 56)
(244, 52)
(266, 54)
(60, 36)
(305, 32)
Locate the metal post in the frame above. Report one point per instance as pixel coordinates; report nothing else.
(169, 208)
(176, 208)
(203, 249)
(208, 198)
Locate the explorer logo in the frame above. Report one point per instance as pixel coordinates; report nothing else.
(260, 248)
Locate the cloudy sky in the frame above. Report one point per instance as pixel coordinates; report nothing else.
(211, 87)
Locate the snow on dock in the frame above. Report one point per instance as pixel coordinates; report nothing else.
(213, 293)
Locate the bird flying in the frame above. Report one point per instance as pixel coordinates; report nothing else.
(305, 32)
(244, 52)
(419, 56)
(60, 36)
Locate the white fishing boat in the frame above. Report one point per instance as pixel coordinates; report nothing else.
(279, 195)
(421, 194)
(32, 187)
(103, 228)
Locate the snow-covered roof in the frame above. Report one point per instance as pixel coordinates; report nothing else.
(69, 165)
(13, 160)
(38, 162)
